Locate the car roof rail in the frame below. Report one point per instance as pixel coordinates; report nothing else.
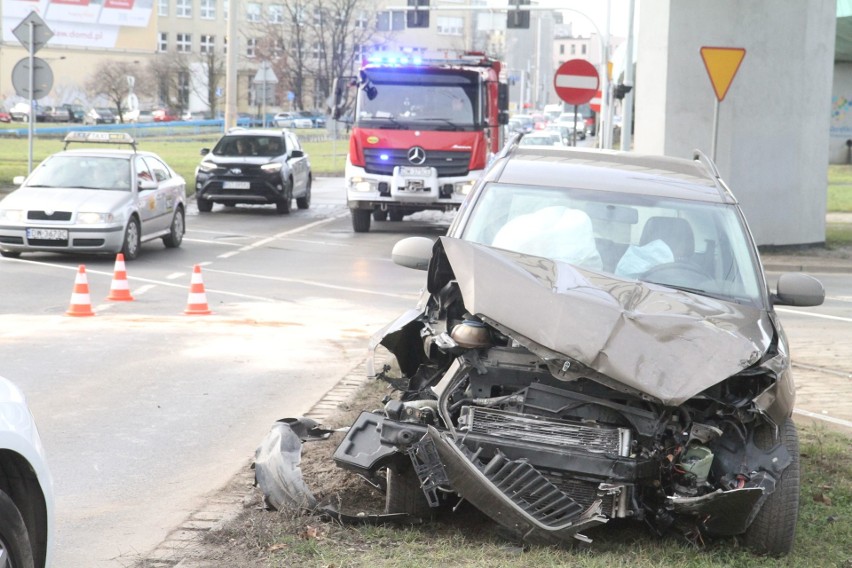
(510, 146)
(704, 159)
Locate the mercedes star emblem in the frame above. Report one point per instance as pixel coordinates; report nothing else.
(417, 155)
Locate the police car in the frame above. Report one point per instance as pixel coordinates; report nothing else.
(105, 198)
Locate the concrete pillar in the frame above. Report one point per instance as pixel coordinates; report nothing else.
(773, 137)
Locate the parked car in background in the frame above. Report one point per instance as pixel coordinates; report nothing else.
(249, 120)
(255, 166)
(55, 114)
(20, 112)
(164, 115)
(292, 120)
(26, 485)
(542, 138)
(571, 121)
(100, 115)
(94, 200)
(316, 118)
(4, 115)
(76, 112)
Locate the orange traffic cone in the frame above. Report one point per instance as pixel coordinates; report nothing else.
(119, 290)
(196, 303)
(81, 303)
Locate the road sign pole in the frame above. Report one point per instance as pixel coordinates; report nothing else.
(715, 131)
(574, 134)
(31, 79)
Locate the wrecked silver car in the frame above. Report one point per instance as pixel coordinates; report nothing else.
(596, 341)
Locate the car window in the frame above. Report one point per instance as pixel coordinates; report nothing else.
(293, 142)
(699, 245)
(142, 171)
(159, 169)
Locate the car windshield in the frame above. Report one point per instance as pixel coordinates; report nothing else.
(263, 146)
(693, 246)
(85, 172)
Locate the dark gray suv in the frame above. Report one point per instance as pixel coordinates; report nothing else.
(596, 341)
(254, 166)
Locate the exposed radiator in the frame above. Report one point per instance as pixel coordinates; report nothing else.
(544, 431)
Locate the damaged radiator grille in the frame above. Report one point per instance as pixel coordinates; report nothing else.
(584, 492)
(543, 431)
(531, 491)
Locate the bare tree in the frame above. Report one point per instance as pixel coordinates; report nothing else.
(316, 45)
(171, 77)
(212, 65)
(109, 81)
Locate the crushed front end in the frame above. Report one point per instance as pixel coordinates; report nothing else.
(549, 445)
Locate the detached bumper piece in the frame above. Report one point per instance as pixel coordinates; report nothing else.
(514, 494)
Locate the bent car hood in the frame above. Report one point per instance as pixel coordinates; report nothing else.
(666, 343)
(66, 199)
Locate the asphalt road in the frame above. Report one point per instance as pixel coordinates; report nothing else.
(144, 410)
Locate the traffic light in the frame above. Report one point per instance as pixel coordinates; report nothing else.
(515, 18)
(417, 18)
(620, 90)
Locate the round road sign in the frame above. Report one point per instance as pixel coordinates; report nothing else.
(576, 81)
(42, 78)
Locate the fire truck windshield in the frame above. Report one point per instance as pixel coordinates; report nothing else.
(394, 105)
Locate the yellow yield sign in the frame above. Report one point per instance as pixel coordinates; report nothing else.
(722, 64)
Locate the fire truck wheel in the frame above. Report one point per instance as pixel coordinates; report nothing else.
(380, 215)
(360, 220)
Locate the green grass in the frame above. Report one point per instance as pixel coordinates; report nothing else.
(839, 189)
(467, 538)
(178, 146)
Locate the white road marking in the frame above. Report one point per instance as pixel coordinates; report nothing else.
(813, 315)
(823, 417)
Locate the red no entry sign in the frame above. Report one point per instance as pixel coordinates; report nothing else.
(576, 81)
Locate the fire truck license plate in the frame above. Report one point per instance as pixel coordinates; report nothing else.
(414, 185)
(408, 171)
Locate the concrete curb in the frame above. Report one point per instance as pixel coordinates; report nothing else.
(183, 546)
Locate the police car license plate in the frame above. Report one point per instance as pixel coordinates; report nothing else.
(236, 185)
(47, 234)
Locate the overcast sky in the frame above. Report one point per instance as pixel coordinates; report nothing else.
(596, 11)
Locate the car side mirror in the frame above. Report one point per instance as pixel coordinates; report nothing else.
(146, 184)
(798, 289)
(413, 252)
(18, 180)
(297, 153)
(205, 151)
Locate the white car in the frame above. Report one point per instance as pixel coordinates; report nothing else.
(542, 138)
(26, 486)
(292, 120)
(94, 200)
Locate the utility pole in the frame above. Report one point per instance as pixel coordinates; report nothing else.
(627, 110)
(231, 66)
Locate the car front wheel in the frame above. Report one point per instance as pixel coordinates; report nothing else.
(360, 220)
(175, 236)
(132, 240)
(305, 201)
(15, 549)
(774, 528)
(204, 206)
(283, 206)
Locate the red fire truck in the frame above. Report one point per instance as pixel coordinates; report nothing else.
(423, 132)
